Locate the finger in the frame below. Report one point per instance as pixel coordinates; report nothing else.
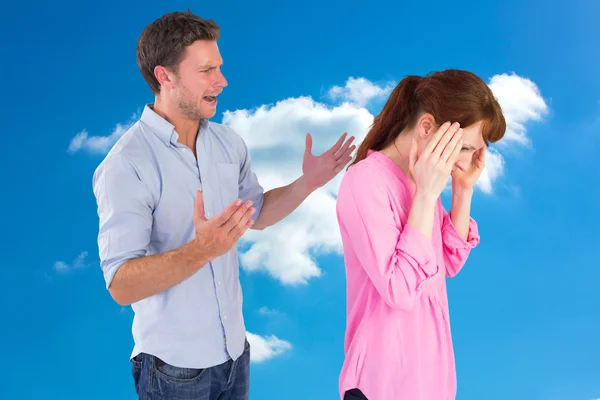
(238, 236)
(342, 151)
(226, 214)
(236, 217)
(481, 158)
(449, 149)
(338, 144)
(241, 225)
(445, 140)
(454, 155)
(413, 155)
(346, 154)
(436, 138)
(199, 208)
(342, 164)
(308, 144)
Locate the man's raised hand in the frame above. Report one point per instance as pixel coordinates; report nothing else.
(218, 235)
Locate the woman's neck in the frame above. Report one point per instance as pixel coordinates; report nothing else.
(399, 153)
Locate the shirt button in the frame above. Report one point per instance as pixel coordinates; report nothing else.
(224, 316)
(219, 283)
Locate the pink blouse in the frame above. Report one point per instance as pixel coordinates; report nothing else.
(398, 344)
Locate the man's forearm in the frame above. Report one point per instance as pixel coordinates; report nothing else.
(143, 277)
(460, 214)
(281, 202)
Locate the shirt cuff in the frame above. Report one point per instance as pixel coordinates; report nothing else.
(452, 239)
(111, 266)
(258, 205)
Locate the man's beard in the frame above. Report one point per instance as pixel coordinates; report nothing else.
(188, 104)
(188, 107)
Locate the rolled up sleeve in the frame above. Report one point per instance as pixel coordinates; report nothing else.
(457, 249)
(125, 214)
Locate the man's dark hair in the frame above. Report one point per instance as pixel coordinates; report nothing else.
(163, 42)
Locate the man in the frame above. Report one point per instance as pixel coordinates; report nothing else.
(174, 196)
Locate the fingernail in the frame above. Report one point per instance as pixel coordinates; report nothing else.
(238, 202)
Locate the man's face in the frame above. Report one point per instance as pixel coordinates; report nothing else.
(198, 81)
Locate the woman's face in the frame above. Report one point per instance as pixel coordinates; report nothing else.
(472, 141)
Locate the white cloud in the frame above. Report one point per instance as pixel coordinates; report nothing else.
(284, 125)
(61, 266)
(267, 311)
(264, 348)
(521, 102)
(78, 262)
(359, 91)
(99, 144)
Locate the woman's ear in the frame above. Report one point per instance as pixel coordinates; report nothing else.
(426, 126)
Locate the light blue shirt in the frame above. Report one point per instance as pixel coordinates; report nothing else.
(145, 191)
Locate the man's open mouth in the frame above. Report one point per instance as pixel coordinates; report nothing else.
(212, 100)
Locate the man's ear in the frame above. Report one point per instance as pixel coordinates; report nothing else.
(163, 76)
(426, 126)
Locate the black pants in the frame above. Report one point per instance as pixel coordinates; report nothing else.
(354, 394)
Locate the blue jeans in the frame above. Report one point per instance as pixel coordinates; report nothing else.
(354, 394)
(156, 380)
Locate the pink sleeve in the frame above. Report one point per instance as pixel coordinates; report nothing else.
(456, 249)
(397, 260)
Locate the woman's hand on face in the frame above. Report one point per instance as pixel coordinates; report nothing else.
(465, 180)
(432, 167)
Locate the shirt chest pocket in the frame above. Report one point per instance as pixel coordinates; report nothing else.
(229, 176)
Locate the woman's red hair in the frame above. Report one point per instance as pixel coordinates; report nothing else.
(451, 95)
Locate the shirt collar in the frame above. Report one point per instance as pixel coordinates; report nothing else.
(162, 128)
(158, 125)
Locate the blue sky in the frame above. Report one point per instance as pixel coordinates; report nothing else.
(525, 310)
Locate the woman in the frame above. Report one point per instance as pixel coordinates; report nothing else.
(400, 243)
